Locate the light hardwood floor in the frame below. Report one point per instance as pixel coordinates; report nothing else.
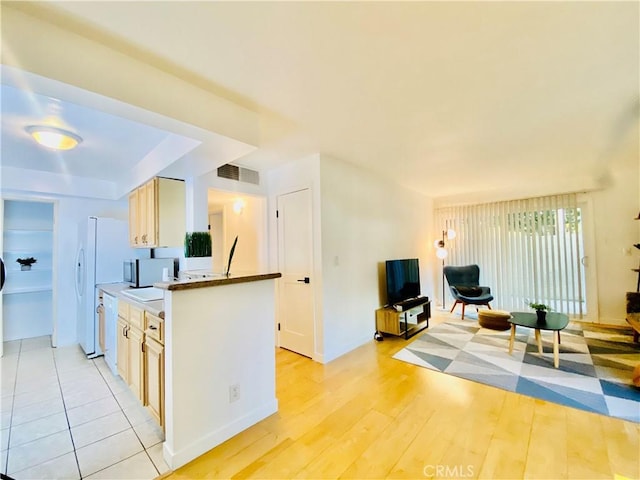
(366, 415)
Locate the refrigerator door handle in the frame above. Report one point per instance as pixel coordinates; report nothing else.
(80, 273)
(2, 273)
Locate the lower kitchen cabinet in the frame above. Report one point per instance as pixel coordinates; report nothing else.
(154, 379)
(130, 342)
(122, 346)
(136, 362)
(140, 345)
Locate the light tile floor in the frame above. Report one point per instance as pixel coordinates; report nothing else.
(66, 417)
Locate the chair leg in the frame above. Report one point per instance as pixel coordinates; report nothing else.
(463, 305)
(489, 306)
(454, 306)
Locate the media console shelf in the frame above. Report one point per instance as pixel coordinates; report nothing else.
(404, 323)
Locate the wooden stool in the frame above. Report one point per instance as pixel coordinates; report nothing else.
(494, 319)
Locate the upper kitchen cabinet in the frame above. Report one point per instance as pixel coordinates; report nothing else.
(157, 214)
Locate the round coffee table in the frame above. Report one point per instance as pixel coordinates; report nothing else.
(554, 322)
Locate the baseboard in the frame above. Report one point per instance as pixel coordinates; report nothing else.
(610, 321)
(202, 445)
(329, 356)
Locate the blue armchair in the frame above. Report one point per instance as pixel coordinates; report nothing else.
(464, 286)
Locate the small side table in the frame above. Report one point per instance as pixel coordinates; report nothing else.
(554, 322)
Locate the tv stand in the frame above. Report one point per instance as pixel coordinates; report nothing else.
(412, 317)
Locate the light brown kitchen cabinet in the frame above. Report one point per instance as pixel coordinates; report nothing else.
(150, 212)
(122, 346)
(140, 344)
(136, 362)
(154, 368)
(157, 214)
(130, 343)
(134, 218)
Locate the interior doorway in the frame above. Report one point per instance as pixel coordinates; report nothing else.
(231, 215)
(27, 251)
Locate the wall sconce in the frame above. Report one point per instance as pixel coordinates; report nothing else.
(441, 253)
(238, 206)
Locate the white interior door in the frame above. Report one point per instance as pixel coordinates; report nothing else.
(295, 292)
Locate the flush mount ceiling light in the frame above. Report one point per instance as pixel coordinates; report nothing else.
(54, 137)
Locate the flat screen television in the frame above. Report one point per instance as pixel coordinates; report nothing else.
(403, 280)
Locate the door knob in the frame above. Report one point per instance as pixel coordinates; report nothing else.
(304, 280)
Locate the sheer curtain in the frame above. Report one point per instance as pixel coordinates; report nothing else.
(528, 250)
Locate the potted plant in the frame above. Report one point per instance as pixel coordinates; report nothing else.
(197, 244)
(25, 263)
(541, 310)
(197, 251)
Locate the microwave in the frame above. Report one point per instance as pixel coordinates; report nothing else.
(144, 272)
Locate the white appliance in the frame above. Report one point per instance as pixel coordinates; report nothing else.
(103, 244)
(111, 321)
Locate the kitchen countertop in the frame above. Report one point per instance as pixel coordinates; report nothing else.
(202, 280)
(155, 307)
(214, 280)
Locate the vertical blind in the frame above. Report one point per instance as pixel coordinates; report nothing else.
(528, 250)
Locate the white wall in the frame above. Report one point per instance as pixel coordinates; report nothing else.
(616, 231)
(366, 220)
(359, 221)
(215, 338)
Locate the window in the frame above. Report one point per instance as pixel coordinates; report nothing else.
(528, 250)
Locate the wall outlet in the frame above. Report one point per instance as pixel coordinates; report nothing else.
(234, 393)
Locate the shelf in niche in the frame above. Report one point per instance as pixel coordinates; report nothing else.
(13, 291)
(21, 251)
(33, 270)
(28, 230)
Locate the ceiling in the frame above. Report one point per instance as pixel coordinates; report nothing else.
(445, 98)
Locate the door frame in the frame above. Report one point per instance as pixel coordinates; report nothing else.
(315, 274)
(585, 203)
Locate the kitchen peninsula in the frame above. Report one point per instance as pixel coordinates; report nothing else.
(219, 360)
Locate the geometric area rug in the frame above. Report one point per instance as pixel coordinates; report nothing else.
(594, 372)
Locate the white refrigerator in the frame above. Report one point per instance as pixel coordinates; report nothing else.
(103, 245)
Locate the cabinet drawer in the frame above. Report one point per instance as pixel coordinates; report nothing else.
(155, 327)
(136, 317)
(123, 309)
